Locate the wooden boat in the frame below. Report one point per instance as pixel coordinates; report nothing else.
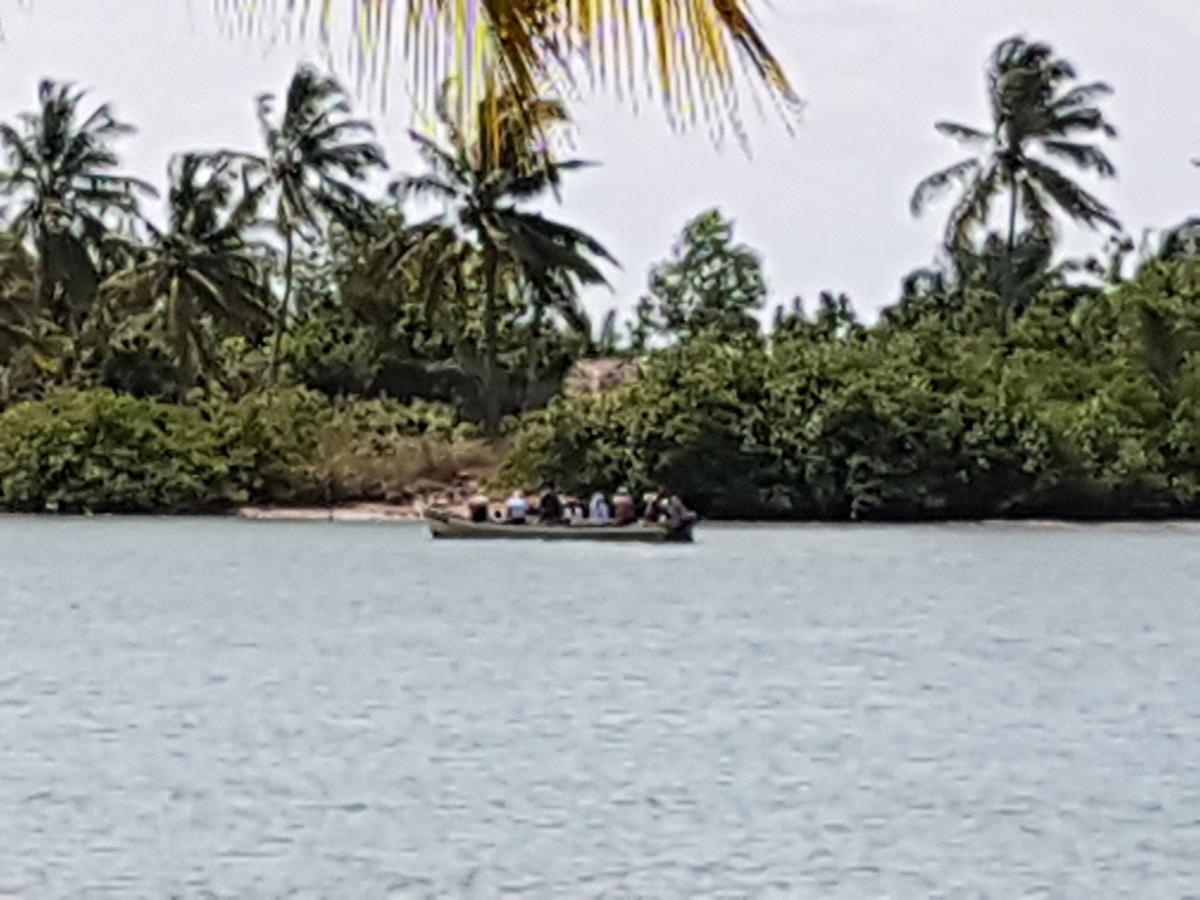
(444, 525)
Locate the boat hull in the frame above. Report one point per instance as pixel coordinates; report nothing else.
(454, 528)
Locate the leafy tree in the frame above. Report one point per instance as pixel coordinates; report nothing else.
(201, 268)
(482, 178)
(66, 194)
(17, 307)
(314, 166)
(1037, 118)
(709, 285)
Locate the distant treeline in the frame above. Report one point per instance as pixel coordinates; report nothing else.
(284, 335)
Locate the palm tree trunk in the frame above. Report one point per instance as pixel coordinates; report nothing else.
(1007, 299)
(281, 317)
(531, 360)
(491, 397)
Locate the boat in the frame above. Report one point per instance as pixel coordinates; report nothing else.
(444, 525)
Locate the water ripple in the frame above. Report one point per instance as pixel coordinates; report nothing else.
(225, 709)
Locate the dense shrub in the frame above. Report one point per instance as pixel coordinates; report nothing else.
(99, 451)
(1087, 407)
(96, 450)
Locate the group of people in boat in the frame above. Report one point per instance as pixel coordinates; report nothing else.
(660, 508)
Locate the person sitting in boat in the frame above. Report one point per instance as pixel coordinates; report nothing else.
(477, 507)
(574, 510)
(550, 507)
(624, 509)
(517, 508)
(599, 512)
(677, 515)
(656, 506)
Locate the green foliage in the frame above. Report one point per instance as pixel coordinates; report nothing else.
(1005, 380)
(330, 353)
(100, 451)
(1083, 409)
(63, 192)
(709, 285)
(104, 452)
(485, 177)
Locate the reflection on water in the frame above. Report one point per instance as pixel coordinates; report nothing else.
(219, 708)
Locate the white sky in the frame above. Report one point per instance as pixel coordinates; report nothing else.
(828, 208)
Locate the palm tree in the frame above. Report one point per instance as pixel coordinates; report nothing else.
(17, 304)
(201, 267)
(482, 177)
(1037, 117)
(61, 178)
(514, 47)
(314, 166)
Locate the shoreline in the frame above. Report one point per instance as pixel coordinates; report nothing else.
(414, 512)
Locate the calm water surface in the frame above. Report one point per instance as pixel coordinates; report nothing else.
(214, 708)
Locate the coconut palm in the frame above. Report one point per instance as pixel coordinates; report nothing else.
(18, 275)
(316, 160)
(201, 268)
(66, 194)
(700, 47)
(1038, 118)
(482, 177)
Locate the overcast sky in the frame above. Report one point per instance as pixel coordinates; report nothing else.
(827, 207)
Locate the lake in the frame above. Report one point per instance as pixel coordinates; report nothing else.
(215, 708)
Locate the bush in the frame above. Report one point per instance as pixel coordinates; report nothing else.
(1086, 408)
(103, 452)
(99, 451)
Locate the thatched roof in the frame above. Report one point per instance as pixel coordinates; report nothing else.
(594, 376)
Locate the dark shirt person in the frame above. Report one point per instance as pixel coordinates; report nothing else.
(550, 510)
(478, 506)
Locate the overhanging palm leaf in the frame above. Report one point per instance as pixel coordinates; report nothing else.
(702, 55)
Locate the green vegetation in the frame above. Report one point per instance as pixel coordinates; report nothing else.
(287, 336)
(98, 451)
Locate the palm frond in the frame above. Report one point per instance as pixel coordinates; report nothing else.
(1086, 156)
(703, 56)
(1073, 200)
(934, 186)
(422, 187)
(964, 134)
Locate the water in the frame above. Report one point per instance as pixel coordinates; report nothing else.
(214, 708)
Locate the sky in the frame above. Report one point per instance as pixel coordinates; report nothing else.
(827, 206)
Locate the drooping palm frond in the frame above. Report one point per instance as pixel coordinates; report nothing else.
(963, 133)
(702, 56)
(1078, 204)
(316, 156)
(59, 157)
(934, 186)
(484, 176)
(201, 269)
(67, 197)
